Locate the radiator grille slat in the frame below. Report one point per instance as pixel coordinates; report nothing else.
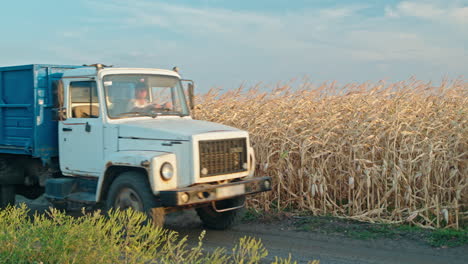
(224, 156)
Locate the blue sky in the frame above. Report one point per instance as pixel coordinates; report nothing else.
(226, 43)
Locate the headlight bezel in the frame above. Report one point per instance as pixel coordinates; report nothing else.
(166, 171)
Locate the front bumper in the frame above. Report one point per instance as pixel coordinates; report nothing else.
(207, 193)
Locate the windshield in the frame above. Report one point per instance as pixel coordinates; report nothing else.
(130, 95)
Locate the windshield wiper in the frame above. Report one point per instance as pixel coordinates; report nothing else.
(166, 111)
(135, 113)
(176, 113)
(179, 114)
(153, 114)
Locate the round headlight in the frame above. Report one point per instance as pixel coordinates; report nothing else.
(167, 171)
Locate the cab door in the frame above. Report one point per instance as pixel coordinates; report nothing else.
(81, 133)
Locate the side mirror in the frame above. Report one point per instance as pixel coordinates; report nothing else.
(190, 92)
(191, 88)
(58, 111)
(59, 114)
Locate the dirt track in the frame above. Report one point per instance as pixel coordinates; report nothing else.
(304, 246)
(281, 239)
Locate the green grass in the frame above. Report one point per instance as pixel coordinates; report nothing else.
(364, 231)
(118, 237)
(252, 215)
(448, 237)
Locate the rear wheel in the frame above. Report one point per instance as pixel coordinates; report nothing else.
(7, 195)
(214, 219)
(132, 190)
(11, 173)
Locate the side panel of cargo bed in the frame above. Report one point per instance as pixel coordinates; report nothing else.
(16, 110)
(27, 96)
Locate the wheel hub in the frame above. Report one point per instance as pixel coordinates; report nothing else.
(128, 198)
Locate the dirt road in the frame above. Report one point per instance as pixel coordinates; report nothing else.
(282, 239)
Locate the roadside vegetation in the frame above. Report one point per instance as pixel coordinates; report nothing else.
(341, 226)
(390, 153)
(119, 237)
(364, 231)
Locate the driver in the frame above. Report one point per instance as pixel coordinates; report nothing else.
(141, 102)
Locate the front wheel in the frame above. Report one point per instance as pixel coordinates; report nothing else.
(222, 220)
(132, 190)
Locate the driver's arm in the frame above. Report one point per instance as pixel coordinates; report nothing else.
(166, 105)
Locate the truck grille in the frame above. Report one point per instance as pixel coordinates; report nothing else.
(222, 156)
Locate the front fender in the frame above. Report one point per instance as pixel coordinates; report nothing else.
(151, 161)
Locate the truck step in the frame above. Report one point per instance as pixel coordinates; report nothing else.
(83, 197)
(59, 188)
(73, 190)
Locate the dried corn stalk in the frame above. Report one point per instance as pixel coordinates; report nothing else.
(378, 152)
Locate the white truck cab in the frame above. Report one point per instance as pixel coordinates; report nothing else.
(126, 139)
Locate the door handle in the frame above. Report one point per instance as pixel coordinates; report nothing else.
(66, 129)
(87, 127)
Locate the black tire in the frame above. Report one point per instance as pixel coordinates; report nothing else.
(30, 192)
(11, 171)
(135, 185)
(7, 195)
(224, 220)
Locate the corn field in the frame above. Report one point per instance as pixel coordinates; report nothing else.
(378, 152)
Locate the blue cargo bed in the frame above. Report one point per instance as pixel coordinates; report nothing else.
(27, 96)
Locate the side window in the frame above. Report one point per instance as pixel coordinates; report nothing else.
(84, 100)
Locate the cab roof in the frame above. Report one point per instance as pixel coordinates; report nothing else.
(92, 71)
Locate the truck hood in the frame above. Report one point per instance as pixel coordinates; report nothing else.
(169, 129)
